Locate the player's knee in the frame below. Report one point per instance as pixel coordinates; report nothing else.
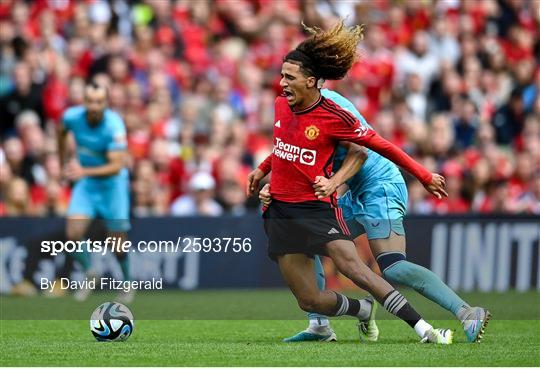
(74, 233)
(392, 265)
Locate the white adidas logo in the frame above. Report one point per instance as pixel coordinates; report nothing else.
(278, 124)
(333, 231)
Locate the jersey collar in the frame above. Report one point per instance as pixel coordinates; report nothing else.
(309, 108)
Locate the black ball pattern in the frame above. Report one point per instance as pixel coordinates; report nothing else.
(111, 321)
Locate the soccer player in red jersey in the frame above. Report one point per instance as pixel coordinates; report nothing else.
(308, 128)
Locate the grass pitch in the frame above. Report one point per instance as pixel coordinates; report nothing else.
(509, 341)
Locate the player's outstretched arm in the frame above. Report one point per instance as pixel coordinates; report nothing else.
(434, 183)
(356, 156)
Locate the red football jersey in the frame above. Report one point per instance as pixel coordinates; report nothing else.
(305, 143)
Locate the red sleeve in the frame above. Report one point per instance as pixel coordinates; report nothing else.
(266, 165)
(399, 157)
(367, 137)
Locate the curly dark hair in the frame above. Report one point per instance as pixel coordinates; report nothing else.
(328, 54)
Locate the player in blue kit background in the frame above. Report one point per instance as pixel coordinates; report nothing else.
(376, 204)
(99, 171)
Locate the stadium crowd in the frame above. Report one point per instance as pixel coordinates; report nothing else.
(454, 83)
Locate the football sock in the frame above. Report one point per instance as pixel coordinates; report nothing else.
(425, 282)
(463, 312)
(352, 307)
(83, 258)
(422, 327)
(319, 276)
(319, 325)
(123, 260)
(398, 305)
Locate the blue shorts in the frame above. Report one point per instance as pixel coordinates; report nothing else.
(380, 209)
(106, 198)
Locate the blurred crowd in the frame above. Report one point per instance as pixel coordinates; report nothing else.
(454, 83)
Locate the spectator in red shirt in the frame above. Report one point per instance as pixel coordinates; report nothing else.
(148, 199)
(17, 198)
(497, 200)
(524, 169)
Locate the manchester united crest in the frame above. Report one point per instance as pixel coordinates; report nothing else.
(311, 132)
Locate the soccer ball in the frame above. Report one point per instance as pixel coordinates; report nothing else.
(111, 321)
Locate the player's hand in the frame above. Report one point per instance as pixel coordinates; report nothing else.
(253, 180)
(437, 187)
(324, 187)
(74, 171)
(264, 195)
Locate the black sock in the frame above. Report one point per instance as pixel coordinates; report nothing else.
(120, 256)
(346, 306)
(398, 305)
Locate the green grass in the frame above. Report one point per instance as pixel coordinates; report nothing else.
(232, 342)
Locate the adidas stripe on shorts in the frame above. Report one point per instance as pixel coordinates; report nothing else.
(302, 228)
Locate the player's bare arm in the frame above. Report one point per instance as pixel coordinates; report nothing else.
(61, 134)
(253, 180)
(356, 157)
(116, 161)
(62, 139)
(255, 177)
